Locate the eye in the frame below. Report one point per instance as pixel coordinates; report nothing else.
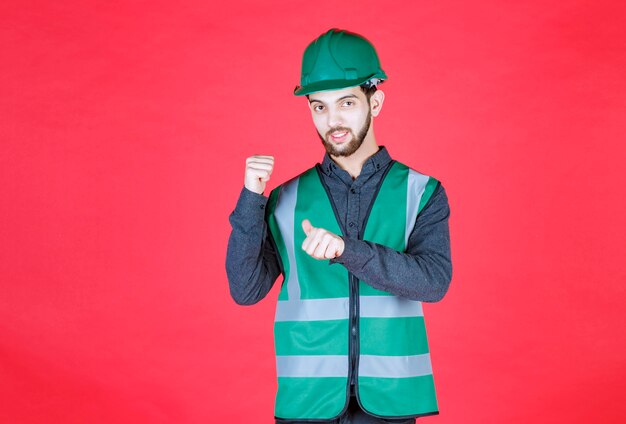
(318, 108)
(348, 103)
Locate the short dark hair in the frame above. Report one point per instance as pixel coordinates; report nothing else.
(368, 90)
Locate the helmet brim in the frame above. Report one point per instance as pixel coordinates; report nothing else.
(332, 85)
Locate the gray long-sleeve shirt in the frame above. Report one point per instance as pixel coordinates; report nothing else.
(423, 272)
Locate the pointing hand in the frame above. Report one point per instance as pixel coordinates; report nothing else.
(321, 243)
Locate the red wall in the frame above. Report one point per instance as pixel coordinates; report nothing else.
(123, 135)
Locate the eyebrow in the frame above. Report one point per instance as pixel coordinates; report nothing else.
(349, 96)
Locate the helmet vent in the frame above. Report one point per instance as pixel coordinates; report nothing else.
(351, 73)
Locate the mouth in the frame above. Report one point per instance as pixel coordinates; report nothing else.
(339, 136)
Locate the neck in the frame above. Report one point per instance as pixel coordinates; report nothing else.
(354, 163)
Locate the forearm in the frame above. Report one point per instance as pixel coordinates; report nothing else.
(251, 261)
(423, 272)
(417, 277)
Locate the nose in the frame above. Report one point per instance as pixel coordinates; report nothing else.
(334, 119)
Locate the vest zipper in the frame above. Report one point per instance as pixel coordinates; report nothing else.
(354, 328)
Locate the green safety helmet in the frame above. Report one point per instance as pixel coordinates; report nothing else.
(338, 59)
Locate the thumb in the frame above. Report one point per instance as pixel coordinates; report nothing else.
(306, 226)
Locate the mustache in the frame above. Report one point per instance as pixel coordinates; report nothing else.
(332, 130)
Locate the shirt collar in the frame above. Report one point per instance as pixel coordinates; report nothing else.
(374, 163)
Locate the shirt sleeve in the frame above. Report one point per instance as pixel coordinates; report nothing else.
(251, 261)
(423, 272)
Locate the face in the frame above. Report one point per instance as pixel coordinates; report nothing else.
(342, 119)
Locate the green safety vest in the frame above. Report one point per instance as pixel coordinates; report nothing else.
(312, 323)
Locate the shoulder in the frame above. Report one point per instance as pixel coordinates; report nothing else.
(423, 186)
(293, 180)
(414, 172)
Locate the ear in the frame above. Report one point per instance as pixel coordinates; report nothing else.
(376, 102)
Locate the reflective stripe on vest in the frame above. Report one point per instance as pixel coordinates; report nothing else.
(312, 315)
(369, 365)
(337, 308)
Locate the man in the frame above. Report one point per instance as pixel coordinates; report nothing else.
(361, 240)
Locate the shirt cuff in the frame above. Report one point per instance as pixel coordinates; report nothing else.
(251, 204)
(355, 254)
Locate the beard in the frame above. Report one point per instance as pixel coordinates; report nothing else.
(346, 149)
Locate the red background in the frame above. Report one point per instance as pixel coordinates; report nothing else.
(123, 137)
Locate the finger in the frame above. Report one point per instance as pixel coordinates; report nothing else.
(320, 250)
(309, 239)
(317, 237)
(259, 173)
(333, 249)
(260, 162)
(306, 226)
(260, 166)
(341, 245)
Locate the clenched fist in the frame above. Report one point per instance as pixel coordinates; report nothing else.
(321, 243)
(258, 171)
